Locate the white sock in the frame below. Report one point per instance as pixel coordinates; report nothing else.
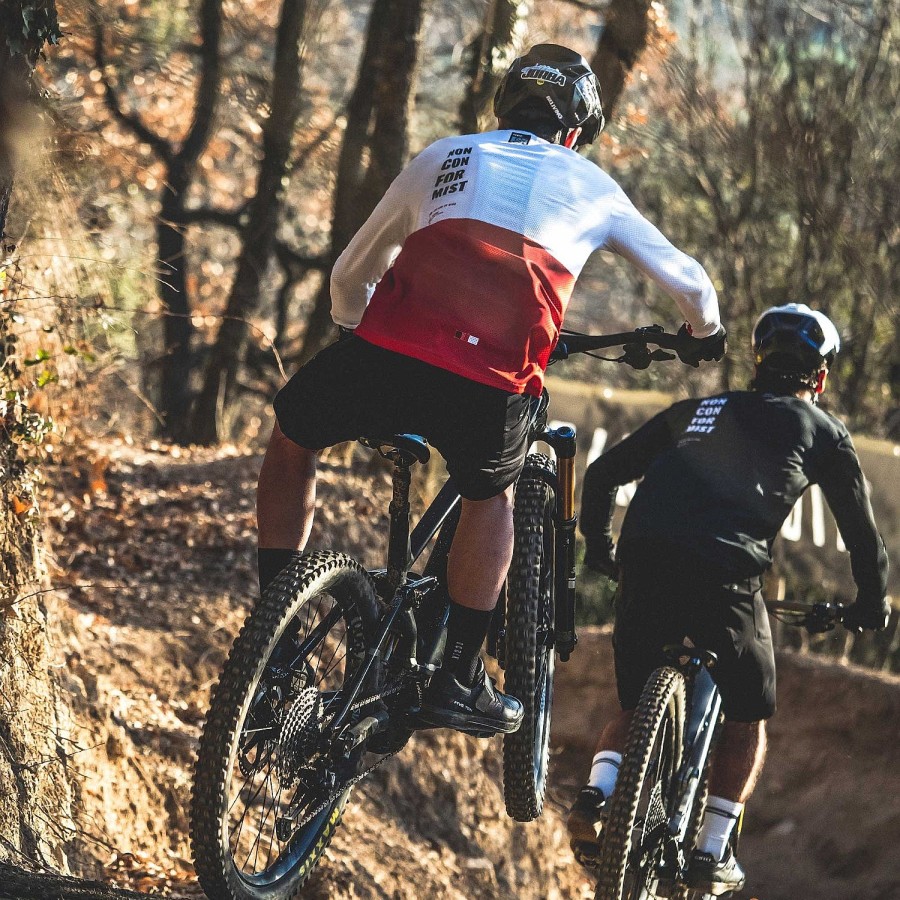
(604, 771)
(718, 822)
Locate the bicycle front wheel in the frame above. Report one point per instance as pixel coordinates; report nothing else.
(529, 653)
(635, 831)
(267, 793)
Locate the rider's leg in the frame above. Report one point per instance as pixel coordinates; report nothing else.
(285, 504)
(738, 760)
(608, 753)
(584, 820)
(736, 765)
(476, 569)
(460, 694)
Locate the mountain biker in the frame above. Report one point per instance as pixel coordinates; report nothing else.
(720, 475)
(453, 293)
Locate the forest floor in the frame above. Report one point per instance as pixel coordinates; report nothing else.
(153, 575)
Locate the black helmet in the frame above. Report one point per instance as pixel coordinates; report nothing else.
(557, 81)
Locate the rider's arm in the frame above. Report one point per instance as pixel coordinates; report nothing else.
(622, 464)
(679, 275)
(375, 246)
(844, 486)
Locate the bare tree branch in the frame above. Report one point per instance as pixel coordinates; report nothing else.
(130, 120)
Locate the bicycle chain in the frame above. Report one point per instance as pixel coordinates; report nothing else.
(346, 785)
(336, 792)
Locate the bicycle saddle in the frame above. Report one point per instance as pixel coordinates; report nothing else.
(676, 652)
(412, 444)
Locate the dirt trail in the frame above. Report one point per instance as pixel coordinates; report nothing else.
(154, 576)
(824, 823)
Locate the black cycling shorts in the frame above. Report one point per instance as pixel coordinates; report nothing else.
(663, 598)
(354, 389)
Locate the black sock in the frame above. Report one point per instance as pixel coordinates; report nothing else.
(466, 630)
(270, 561)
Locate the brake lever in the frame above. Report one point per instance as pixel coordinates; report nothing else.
(636, 355)
(821, 619)
(661, 355)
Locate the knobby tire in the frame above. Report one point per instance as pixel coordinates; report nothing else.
(231, 747)
(651, 758)
(529, 654)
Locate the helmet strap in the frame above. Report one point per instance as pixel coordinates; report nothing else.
(572, 137)
(820, 381)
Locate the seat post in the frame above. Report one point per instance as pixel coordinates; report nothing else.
(398, 535)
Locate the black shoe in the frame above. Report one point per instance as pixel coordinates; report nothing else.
(479, 709)
(713, 876)
(585, 819)
(584, 823)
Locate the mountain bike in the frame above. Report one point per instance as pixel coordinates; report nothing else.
(325, 680)
(655, 811)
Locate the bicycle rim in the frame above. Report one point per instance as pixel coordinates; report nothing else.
(267, 793)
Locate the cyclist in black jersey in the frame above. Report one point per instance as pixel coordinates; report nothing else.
(720, 475)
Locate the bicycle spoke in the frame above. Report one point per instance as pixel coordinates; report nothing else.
(264, 804)
(320, 658)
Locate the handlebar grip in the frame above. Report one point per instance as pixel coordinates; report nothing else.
(815, 617)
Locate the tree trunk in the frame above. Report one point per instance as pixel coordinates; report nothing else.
(178, 330)
(259, 235)
(490, 55)
(6, 183)
(623, 39)
(14, 75)
(375, 140)
(180, 165)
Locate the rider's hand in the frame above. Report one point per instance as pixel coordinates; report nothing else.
(864, 614)
(600, 557)
(691, 350)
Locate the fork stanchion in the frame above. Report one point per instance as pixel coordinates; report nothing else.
(563, 441)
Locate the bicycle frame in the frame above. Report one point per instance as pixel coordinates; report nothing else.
(403, 594)
(705, 704)
(699, 730)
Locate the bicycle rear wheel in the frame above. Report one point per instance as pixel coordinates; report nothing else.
(266, 798)
(635, 831)
(529, 656)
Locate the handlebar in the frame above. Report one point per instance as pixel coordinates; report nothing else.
(816, 618)
(634, 343)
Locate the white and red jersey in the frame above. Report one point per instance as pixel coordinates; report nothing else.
(469, 260)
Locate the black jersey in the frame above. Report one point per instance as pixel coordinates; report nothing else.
(720, 476)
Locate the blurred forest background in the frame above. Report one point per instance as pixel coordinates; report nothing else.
(188, 171)
(177, 178)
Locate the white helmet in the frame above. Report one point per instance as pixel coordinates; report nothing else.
(803, 339)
